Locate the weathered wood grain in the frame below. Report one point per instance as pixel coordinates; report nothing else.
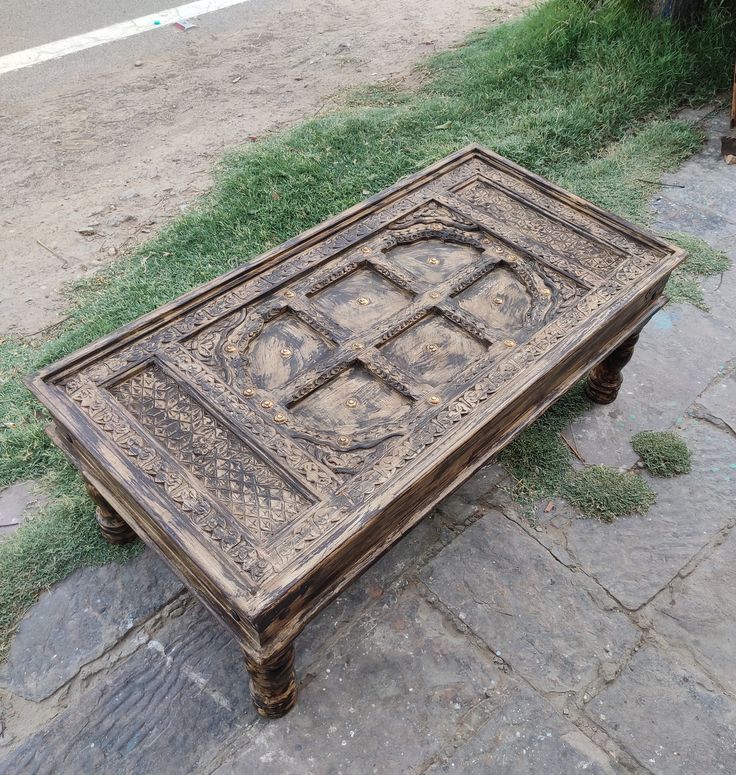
(273, 432)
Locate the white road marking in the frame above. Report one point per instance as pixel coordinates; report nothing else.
(153, 21)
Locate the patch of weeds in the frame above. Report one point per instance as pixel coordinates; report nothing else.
(664, 453)
(552, 91)
(605, 493)
(702, 261)
(538, 459)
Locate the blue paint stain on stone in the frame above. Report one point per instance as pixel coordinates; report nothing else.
(663, 321)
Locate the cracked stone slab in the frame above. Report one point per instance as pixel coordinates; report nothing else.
(719, 399)
(16, 501)
(382, 700)
(550, 624)
(159, 711)
(669, 370)
(79, 619)
(526, 736)
(634, 557)
(670, 716)
(700, 611)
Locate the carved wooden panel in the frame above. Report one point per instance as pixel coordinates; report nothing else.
(294, 417)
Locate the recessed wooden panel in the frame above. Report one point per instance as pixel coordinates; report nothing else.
(362, 298)
(354, 400)
(433, 260)
(284, 348)
(434, 349)
(503, 301)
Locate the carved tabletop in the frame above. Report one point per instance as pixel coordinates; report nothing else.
(274, 431)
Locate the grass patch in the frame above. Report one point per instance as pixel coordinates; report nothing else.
(605, 493)
(702, 261)
(555, 91)
(538, 459)
(664, 453)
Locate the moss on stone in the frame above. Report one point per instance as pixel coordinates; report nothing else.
(605, 493)
(664, 453)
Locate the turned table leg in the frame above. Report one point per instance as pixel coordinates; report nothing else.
(604, 381)
(273, 683)
(114, 529)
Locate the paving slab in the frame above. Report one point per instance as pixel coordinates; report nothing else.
(699, 611)
(670, 716)
(719, 399)
(159, 711)
(384, 700)
(526, 736)
(634, 557)
(16, 502)
(549, 623)
(669, 370)
(80, 618)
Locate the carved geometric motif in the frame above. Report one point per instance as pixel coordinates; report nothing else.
(226, 466)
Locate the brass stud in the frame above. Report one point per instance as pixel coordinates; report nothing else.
(289, 294)
(546, 292)
(434, 399)
(358, 345)
(434, 295)
(509, 343)
(363, 301)
(343, 440)
(432, 348)
(498, 300)
(279, 418)
(365, 249)
(351, 402)
(230, 348)
(285, 352)
(248, 392)
(267, 404)
(433, 260)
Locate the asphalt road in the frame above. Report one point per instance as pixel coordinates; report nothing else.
(43, 21)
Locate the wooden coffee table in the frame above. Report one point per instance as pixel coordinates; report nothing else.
(272, 433)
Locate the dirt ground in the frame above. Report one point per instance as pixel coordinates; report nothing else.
(93, 165)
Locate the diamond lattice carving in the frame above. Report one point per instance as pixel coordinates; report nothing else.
(251, 490)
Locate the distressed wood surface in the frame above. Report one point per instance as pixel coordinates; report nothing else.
(273, 432)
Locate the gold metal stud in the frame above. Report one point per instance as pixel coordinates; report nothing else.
(546, 292)
(498, 300)
(351, 402)
(285, 352)
(248, 392)
(279, 418)
(509, 343)
(432, 348)
(343, 440)
(267, 404)
(434, 295)
(365, 249)
(434, 399)
(230, 348)
(358, 345)
(289, 294)
(363, 301)
(433, 260)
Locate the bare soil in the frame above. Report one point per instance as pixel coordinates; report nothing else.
(91, 170)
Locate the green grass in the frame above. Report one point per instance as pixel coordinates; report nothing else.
(581, 93)
(605, 493)
(664, 453)
(702, 261)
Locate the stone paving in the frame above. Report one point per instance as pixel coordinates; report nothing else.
(482, 643)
